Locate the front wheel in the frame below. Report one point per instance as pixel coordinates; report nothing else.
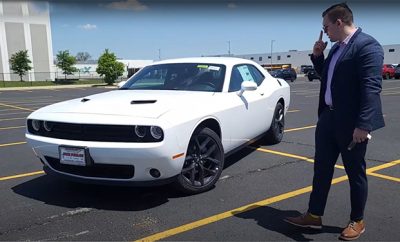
(203, 164)
(275, 133)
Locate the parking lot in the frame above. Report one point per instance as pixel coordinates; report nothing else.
(259, 186)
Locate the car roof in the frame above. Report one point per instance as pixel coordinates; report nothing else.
(211, 60)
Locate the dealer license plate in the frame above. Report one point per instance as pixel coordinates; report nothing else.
(72, 156)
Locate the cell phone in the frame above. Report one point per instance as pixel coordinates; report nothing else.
(353, 143)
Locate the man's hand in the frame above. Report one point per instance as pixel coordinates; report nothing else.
(360, 135)
(319, 46)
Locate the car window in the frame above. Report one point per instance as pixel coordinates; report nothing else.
(257, 75)
(179, 76)
(242, 73)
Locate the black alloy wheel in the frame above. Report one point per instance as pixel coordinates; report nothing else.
(203, 164)
(275, 133)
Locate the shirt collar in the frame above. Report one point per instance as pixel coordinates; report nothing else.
(346, 41)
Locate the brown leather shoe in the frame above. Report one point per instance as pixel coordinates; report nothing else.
(306, 221)
(353, 231)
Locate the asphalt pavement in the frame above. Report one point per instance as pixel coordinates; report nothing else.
(259, 186)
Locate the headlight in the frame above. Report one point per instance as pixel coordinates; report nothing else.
(48, 126)
(140, 131)
(156, 132)
(36, 124)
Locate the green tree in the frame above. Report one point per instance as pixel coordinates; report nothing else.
(20, 63)
(65, 62)
(109, 67)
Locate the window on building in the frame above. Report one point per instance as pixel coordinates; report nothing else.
(288, 56)
(260, 58)
(251, 58)
(391, 50)
(278, 57)
(269, 57)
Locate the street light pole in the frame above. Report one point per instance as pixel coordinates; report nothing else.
(159, 54)
(229, 48)
(272, 44)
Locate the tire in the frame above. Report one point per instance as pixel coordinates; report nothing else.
(203, 164)
(275, 133)
(387, 76)
(310, 79)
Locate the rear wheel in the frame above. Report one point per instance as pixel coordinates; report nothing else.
(275, 133)
(203, 164)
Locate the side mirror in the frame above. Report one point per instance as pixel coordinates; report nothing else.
(121, 83)
(247, 86)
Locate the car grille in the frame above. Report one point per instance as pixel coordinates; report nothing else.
(91, 132)
(94, 170)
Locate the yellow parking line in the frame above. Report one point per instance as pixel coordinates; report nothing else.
(15, 107)
(21, 175)
(4, 114)
(384, 176)
(293, 111)
(296, 129)
(233, 212)
(15, 127)
(291, 156)
(9, 119)
(11, 144)
(265, 202)
(383, 166)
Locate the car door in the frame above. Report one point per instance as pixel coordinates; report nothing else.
(249, 110)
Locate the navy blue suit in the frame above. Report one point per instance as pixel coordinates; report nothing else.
(355, 86)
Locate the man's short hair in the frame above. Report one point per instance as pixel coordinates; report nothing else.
(339, 11)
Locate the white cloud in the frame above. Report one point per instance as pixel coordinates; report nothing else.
(232, 5)
(88, 26)
(134, 5)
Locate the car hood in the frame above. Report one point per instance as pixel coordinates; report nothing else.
(132, 103)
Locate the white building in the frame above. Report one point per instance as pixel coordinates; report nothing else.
(25, 25)
(298, 58)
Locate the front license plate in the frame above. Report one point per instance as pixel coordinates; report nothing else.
(72, 156)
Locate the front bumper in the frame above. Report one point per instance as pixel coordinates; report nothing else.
(112, 163)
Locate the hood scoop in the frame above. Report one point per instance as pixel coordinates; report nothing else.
(143, 101)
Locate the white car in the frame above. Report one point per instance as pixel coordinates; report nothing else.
(173, 121)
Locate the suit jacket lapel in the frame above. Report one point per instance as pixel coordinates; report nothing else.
(346, 49)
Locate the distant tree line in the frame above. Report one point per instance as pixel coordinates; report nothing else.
(108, 67)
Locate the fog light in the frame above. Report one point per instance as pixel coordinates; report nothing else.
(155, 173)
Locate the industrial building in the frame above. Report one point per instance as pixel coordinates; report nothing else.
(25, 25)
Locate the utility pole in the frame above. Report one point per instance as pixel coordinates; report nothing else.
(229, 48)
(159, 54)
(272, 45)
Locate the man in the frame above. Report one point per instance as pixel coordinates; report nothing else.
(349, 109)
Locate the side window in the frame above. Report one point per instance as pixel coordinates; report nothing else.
(242, 73)
(236, 80)
(257, 75)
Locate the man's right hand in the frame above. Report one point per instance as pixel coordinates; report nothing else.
(319, 46)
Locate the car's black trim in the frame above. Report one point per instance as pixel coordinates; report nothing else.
(157, 182)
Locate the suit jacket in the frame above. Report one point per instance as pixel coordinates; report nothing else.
(356, 83)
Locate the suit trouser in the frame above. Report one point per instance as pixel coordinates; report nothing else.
(329, 142)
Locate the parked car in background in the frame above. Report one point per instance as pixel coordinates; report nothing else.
(388, 71)
(288, 74)
(397, 72)
(312, 75)
(305, 68)
(170, 122)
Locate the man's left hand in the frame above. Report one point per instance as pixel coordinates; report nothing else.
(360, 135)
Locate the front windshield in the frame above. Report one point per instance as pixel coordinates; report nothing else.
(179, 76)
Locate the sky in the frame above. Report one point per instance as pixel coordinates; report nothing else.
(162, 29)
